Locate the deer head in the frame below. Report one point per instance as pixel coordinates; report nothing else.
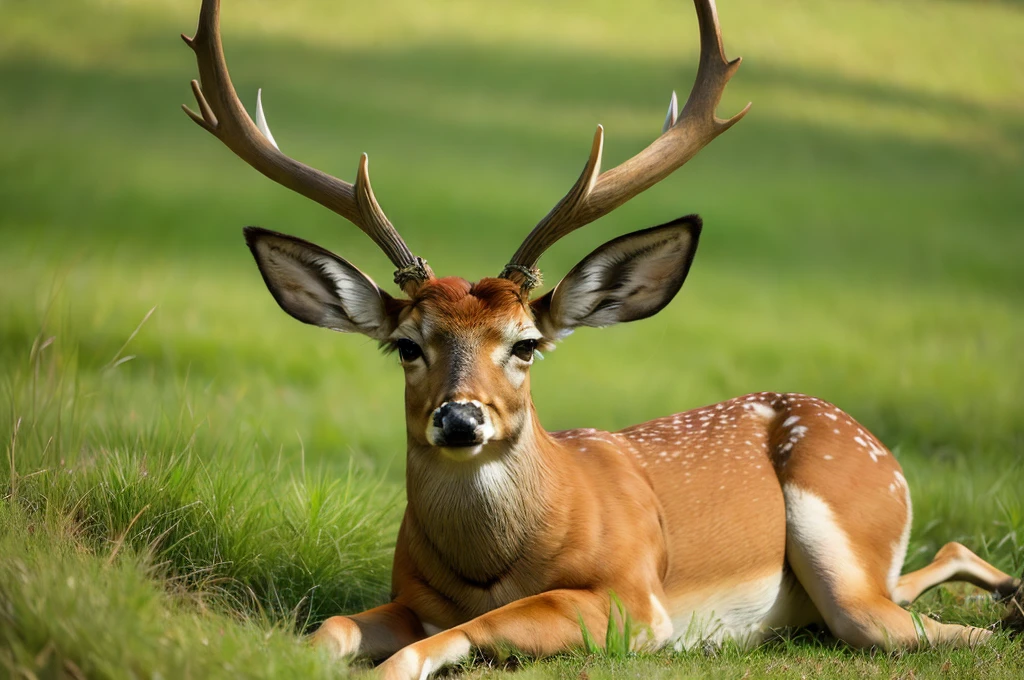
(467, 348)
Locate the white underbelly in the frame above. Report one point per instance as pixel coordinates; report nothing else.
(744, 613)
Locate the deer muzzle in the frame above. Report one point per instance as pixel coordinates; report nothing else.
(460, 425)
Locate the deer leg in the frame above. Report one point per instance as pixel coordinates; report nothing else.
(849, 590)
(373, 634)
(539, 625)
(877, 621)
(954, 562)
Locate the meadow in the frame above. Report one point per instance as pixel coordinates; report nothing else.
(192, 479)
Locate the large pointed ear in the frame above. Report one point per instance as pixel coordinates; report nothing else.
(318, 287)
(629, 278)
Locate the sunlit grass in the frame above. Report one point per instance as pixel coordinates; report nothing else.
(188, 502)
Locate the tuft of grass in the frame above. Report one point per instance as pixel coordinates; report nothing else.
(619, 634)
(290, 545)
(68, 610)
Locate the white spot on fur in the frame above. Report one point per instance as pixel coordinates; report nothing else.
(762, 410)
(661, 625)
(816, 539)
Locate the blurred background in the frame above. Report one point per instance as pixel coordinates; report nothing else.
(863, 224)
(863, 233)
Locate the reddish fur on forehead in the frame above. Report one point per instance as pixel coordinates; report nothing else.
(469, 302)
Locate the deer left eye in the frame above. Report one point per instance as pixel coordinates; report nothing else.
(408, 350)
(524, 349)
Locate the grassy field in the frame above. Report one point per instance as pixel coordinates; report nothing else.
(192, 479)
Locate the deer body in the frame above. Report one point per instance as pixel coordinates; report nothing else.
(684, 518)
(727, 522)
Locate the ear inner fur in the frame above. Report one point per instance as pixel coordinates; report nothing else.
(619, 281)
(317, 287)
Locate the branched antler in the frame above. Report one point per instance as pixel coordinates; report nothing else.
(596, 194)
(223, 116)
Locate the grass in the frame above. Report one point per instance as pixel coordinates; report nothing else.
(184, 503)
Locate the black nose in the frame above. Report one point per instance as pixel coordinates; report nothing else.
(459, 423)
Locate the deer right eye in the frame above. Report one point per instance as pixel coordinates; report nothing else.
(408, 350)
(524, 349)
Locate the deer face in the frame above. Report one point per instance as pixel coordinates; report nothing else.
(466, 348)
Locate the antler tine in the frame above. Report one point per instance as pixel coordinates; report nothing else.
(222, 114)
(596, 194)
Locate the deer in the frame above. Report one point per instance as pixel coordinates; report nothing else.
(728, 522)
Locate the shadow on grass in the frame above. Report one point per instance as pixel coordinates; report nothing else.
(459, 139)
(465, 136)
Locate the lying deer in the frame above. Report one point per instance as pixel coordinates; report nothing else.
(726, 522)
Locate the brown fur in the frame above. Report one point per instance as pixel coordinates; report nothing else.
(678, 508)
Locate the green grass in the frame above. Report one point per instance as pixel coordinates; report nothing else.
(185, 503)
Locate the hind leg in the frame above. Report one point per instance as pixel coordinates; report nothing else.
(954, 562)
(841, 564)
(877, 621)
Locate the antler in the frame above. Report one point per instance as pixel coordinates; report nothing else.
(223, 116)
(596, 194)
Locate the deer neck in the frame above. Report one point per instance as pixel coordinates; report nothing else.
(479, 516)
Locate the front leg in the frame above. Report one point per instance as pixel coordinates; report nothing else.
(373, 634)
(540, 625)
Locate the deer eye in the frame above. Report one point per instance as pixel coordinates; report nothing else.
(408, 350)
(524, 349)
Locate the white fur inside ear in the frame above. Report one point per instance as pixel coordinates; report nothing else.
(629, 278)
(320, 289)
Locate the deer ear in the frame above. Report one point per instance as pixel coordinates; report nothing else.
(629, 278)
(317, 287)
